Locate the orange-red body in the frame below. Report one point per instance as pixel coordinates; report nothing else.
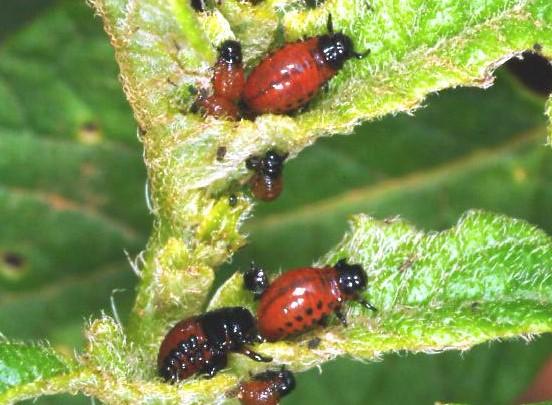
(256, 392)
(182, 332)
(288, 78)
(298, 300)
(228, 80)
(218, 107)
(266, 388)
(266, 188)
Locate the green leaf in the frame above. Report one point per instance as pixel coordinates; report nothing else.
(486, 278)
(447, 167)
(72, 183)
(24, 364)
(460, 152)
(417, 49)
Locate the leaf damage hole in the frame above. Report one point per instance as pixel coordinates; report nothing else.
(534, 71)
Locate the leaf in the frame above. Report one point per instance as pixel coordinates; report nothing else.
(524, 156)
(415, 51)
(460, 152)
(161, 51)
(486, 278)
(23, 364)
(72, 179)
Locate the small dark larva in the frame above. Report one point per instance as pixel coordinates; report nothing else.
(301, 298)
(266, 184)
(266, 388)
(200, 344)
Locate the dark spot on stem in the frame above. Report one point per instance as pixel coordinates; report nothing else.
(221, 153)
(314, 343)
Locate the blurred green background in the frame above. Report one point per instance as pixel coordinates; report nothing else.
(72, 201)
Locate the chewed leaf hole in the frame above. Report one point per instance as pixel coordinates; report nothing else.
(533, 71)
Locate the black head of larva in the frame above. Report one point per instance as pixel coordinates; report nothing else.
(284, 380)
(351, 278)
(230, 52)
(229, 328)
(270, 165)
(337, 47)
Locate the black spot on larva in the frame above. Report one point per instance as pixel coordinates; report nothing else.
(289, 324)
(232, 200)
(319, 305)
(280, 329)
(537, 47)
(309, 311)
(299, 318)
